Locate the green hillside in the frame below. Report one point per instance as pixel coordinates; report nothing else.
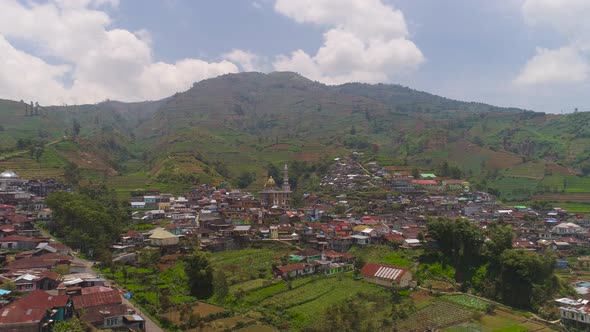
(237, 124)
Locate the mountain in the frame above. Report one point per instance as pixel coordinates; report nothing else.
(237, 124)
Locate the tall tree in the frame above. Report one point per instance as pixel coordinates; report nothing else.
(75, 128)
(200, 272)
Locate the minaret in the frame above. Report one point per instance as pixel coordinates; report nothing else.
(286, 186)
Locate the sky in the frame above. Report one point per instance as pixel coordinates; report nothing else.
(533, 54)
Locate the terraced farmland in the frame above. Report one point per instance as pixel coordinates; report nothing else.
(438, 315)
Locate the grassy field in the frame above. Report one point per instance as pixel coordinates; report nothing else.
(463, 313)
(531, 170)
(574, 207)
(577, 184)
(385, 255)
(250, 263)
(499, 321)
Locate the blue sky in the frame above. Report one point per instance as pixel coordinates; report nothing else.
(527, 53)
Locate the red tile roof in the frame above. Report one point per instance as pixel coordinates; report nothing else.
(383, 271)
(46, 261)
(291, 267)
(18, 238)
(96, 315)
(31, 308)
(96, 299)
(425, 182)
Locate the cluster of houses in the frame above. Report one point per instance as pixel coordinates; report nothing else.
(348, 174)
(47, 284)
(222, 219)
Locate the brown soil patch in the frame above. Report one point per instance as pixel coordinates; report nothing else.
(200, 308)
(564, 197)
(555, 168)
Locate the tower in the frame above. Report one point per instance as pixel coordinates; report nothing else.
(286, 185)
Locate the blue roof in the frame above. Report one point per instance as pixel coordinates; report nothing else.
(4, 292)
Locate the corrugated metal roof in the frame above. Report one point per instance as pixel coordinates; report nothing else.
(383, 271)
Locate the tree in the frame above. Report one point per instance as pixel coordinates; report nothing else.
(359, 262)
(37, 150)
(72, 325)
(416, 173)
(72, 174)
(460, 241)
(245, 179)
(221, 286)
(500, 239)
(90, 220)
(353, 130)
(75, 128)
(200, 272)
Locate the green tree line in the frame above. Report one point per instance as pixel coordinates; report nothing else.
(486, 263)
(89, 220)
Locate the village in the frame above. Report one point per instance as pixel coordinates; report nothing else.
(45, 282)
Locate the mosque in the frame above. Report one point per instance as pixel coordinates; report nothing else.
(274, 196)
(9, 179)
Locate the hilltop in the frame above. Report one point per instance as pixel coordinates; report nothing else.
(236, 124)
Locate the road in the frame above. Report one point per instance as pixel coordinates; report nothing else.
(150, 326)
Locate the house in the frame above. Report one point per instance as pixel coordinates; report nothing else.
(455, 184)
(289, 271)
(567, 228)
(156, 214)
(574, 313)
(17, 242)
(36, 280)
(53, 247)
(137, 205)
(386, 275)
(44, 262)
(425, 184)
(34, 311)
(103, 308)
(162, 238)
(361, 240)
(411, 243)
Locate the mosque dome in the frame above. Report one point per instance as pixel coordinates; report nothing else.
(270, 182)
(8, 175)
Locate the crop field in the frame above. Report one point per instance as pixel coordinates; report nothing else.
(499, 321)
(385, 255)
(339, 288)
(531, 170)
(577, 184)
(563, 197)
(199, 308)
(466, 301)
(248, 264)
(439, 314)
(515, 188)
(575, 207)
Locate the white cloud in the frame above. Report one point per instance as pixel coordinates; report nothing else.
(561, 65)
(247, 60)
(366, 41)
(568, 63)
(102, 62)
(26, 77)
